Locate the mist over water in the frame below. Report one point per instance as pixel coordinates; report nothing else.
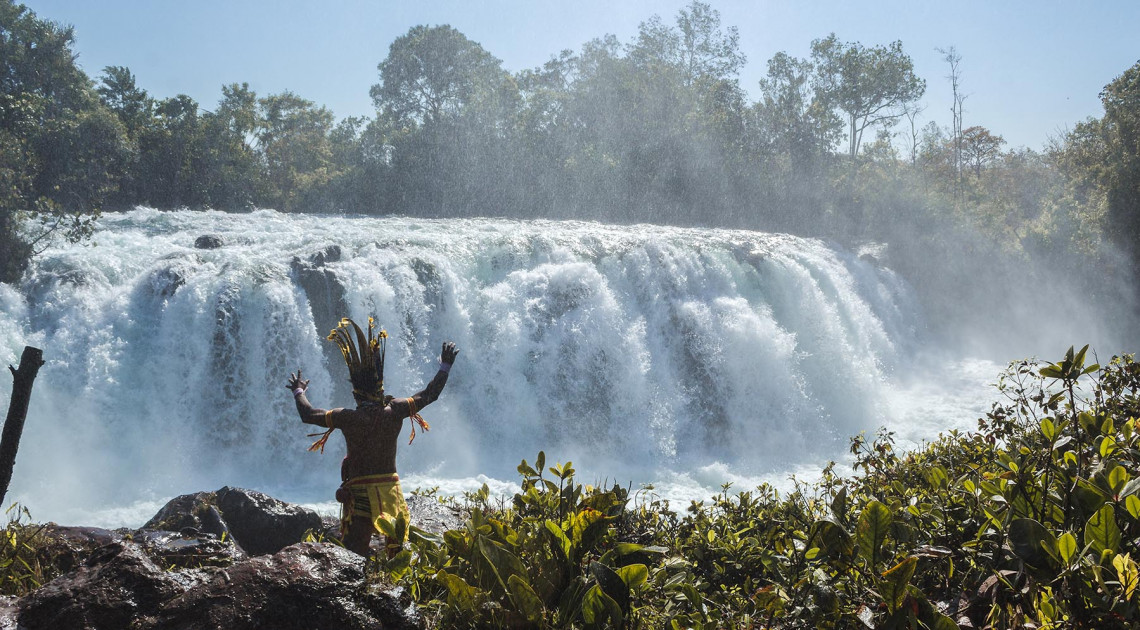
(682, 357)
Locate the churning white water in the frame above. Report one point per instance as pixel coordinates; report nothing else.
(683, 357)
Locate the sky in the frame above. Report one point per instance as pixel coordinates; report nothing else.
(1030, 70)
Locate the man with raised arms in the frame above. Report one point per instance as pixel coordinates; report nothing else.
(370, 488)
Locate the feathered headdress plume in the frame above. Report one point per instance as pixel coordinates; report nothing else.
(364, 356)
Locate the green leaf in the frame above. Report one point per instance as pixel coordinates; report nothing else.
(1048, 429)
(1052, 371)
(501, 561)
(1088, 497)
(1132, 504)
(1107, 446)
(559, 539)
(460, 594)
(597, 607)
(1088, 423)
(936, 477)
(525, 599)
(423, 537)
(1079, 361)
(1117, 478)
(634, 575)
(1067, 547)
(834, 541)
(893, 584)
(1131, 488)
(874, 523)
(839, 505)
(526, 471)
(942, 622)
(1102, 532)
(540, 461)
(1032, 542)
(612, 584)
(1108, 427)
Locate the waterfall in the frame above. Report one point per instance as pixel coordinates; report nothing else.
(635, 351)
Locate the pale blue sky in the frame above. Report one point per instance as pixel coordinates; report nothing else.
(1031, 69)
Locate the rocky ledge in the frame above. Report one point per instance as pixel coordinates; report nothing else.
(233, 559)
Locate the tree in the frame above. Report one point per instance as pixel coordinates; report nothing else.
(129, 102)
(48, 112)
(911, 111)
(1120, 129)
(869, 85)
(980, 147)
(226, 162)
(954, 60)
(794, 118)
(706, 51)
(294, 142)
(432, 72)
(697, 47)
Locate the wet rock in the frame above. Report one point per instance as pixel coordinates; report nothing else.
(166, 281)
(330, 254)
(208, 241)
(68, 547)
(327, 302)
(9, 612)
(262, 524)
(330, 528)
(116, 585)
(186, 550)
(325, 293)
(428, 514)
(197, 511)
(308, 585)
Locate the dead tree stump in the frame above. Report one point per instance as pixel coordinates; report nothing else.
(22, 379)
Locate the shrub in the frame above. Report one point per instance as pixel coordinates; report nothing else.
(1030, 521)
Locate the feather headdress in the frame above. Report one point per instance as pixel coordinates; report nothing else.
(364, 356)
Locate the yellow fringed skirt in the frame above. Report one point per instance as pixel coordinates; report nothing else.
(375, 497)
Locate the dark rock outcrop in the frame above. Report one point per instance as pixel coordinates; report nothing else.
(309, 585)
(208, 241)
(68, 547)
(327, 301)
(197, 511)
(184, 570)
(262, 524)
(115, 586)
(188, 549)
(430, 515)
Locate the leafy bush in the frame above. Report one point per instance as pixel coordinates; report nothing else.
(22, 567)
(1030, 521)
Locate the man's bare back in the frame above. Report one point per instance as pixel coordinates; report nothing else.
(371, 432)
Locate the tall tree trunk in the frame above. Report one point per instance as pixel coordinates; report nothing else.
(22, 380)
(851, 149)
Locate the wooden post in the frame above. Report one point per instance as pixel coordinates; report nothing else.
(22, 380)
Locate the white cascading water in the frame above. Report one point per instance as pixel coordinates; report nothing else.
(682, 357)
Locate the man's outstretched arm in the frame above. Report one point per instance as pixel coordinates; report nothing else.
(309, 414)
(431, 392)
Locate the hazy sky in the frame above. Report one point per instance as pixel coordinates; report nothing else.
(1031, 69)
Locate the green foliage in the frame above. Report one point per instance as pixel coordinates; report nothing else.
(22, 569)
(1031, 520)
(552, 558)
